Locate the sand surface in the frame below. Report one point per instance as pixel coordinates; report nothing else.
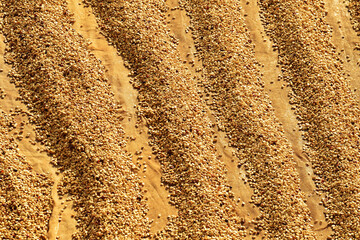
(28, 146)
(118, 77)
(278, 92)
(344, 38)
(178, 23)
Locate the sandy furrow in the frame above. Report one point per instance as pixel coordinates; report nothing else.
(178, 124)
(354, 10)
(243, 108)
(77, 117)
(179, 24)
(118, 76)
(278, 91)
(25, 195)
(325, 105)
(345, 39)
(26, 140)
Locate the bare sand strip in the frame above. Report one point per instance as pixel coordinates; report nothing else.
(345, 38)
(182, 137)
(179, 24)
(25, 195)
(354, 9)
(278, 91)
(25, 136)
(118, 76)
(325, 105)
(243, 108)
(77, 117)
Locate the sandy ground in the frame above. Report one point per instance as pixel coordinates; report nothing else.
(117, 74)
(178, 23)
(28, 146)
(344, 38)
(138, 146)
(278, 92)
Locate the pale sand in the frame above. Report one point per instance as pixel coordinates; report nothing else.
(344, 38)
(178, 23)
(278, 92)
(118, 77)
(40, 161)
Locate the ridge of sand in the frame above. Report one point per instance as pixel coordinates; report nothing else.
(28, 146)
(178, 124)
(345, 39)
(243, 108)
(118, 76)
(77, 119)
(278, 91)
(179, 24)
(25, 195)
(327, 109)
